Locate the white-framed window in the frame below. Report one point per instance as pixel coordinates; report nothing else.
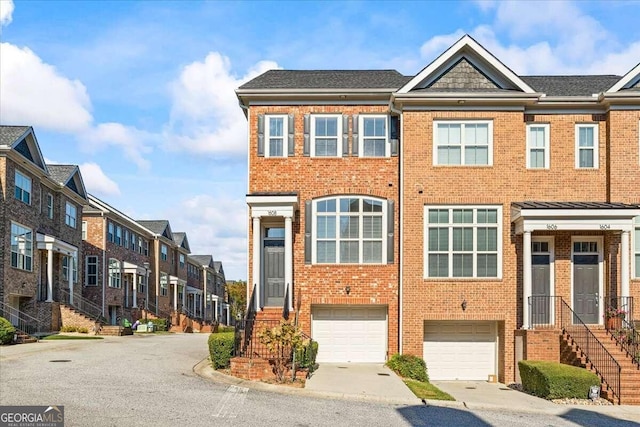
(126, 238)
(181, 260)
(111, 232)
(374, 136)
(164, 284)
(91, 271)
(465, 143)
(587, 146)
(636, 247)
(326, 135)
(69, 263)
(70, 215)
(146, 248)
(142, 286)
(49, 199)
(538, 146)
(115, 274)
(118, 235)
(276, 131)
(84, 230)
(350, 230)
(22, 188)
(163, 252)
(463, 241)
(133, 241)
(21, 247)
(139, 245)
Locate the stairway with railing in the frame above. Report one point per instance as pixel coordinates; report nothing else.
(621, 327)
(22, 321)
(82, 305)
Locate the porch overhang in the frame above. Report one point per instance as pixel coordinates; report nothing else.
(130, 268)
(47, 242)
(272, 204)
(192, 290)
(173, 280)
(573, 216)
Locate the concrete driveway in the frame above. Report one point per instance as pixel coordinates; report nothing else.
(371, 381)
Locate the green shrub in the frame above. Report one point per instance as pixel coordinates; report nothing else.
(306, 356)
(551, 380)
(159, 324)
(83, 330)
(409, 366)
(6, 331)
(224, 329)
(69, 328)
(221, 349)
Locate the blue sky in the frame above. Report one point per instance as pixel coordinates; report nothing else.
(140, 94)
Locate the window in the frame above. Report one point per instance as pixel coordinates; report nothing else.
(181, 260)
(70, 215)
(23, 188)
(276, 136)
(142, 286)
(118, 235)
(21, 247)
(636, 251)
(133, 242)
(114, 273)
(463, 241)
(84, 230)
(587, 146)
(164, 284)
(538, 146)
(463, 143)
(373, 140)
(69, 262)
(49, 205)
(325, 131)
(146, 248)
(91, 271)
(163, 252)
(126, 238)
(111, 234)
(350, 230)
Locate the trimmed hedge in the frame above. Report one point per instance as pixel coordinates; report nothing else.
(306, 356)
(158, 324)
(221, 349)
(409, 366)
(551, 380)
(6, 331)
(223, 329)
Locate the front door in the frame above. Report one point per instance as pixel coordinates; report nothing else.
(541, 284)
(586, 281)
(274, 286)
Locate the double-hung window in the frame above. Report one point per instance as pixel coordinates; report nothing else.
(326, 131)
(70, 215)
(49, 206)
(133, 241)
(163, 252)
(537, 146)
(463, 241)
(164, 284)
(126, 238)
(181, 260)
(465, 143)
(114, 273)
(69, 266)
(373, 139)
(118, 235)
(23, 188)
(587, 146)
(21, 247)
(111, 233)
(350, 230)
(142, 286)
(277, 136)
(91, 271)
(84, 230)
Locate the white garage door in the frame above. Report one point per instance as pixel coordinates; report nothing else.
(460, 350)
(350, 333)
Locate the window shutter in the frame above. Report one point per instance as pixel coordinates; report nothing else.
(292, 128)
(260, 134)
(394, 134)
(354, 135)
(306, 151)
(345, 135)
(390, 224)
(308, 221)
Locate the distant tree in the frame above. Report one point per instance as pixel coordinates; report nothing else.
(237, 291)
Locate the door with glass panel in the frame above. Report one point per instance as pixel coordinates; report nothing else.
(541, 303)
(274, 286)
(586, 281)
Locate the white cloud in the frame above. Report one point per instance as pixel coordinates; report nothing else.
(438, 44)
(6, 12)
(133, 142)
(205, 117)
(97, 182)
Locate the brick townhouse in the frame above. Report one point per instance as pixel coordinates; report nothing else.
(40, 210)
(444, 214)
(207, 275)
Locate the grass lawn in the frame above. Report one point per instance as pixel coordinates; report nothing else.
(71, 337)
(426, 390)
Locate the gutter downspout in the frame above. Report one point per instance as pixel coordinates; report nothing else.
(401, 213)
(104, 262)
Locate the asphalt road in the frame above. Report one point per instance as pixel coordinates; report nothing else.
(149, 381)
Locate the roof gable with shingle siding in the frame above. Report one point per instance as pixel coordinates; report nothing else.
(22, 140)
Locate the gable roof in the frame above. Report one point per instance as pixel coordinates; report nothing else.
(23, 141)
(632, 78)
(11, 134)
(68, 176)
(202, 260)
(160, 227)
(102, 206)
(327, 79)
(181, 240)
(218, 267)
(571, 85)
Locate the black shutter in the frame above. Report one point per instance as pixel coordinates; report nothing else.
(390, 234)
(308, 222)
(260, 134)
(354, 136)
(394, 134)
(292, 128)
(345, 135)
(306, 151)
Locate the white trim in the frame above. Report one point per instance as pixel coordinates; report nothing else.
(552, 269)
(312, 136)
(600, 297)
(632, 74)
(596, 143)
(635, 243)
(361, 135)
(285, 134)
(463, 124)
(546, 148)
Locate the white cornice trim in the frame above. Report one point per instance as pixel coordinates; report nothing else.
(632, 74)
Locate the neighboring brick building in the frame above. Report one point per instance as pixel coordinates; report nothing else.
(40, 210)
(507, 191)
(209, 276)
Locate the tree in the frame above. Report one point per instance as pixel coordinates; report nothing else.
(237, 292)
(282, 341)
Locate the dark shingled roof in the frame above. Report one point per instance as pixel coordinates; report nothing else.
(201, 259)
(178, 237)
(61, 173)
(572, 205)
(327, 79)
(9, 134)
(157, 226)
(570, 85)
(218, 266)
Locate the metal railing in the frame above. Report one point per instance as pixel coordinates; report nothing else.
(619, 322)
(244, 328)
(604, 364)
(83, 305)
(21, 320)
(544, 311)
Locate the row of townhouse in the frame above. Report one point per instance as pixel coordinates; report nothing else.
(64, 249)
(443, 214)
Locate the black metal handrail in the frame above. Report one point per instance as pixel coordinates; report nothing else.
(604, 364)
(544, 311)
(244, 329)
(83, 305)
(619, 322)
(21, 320)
